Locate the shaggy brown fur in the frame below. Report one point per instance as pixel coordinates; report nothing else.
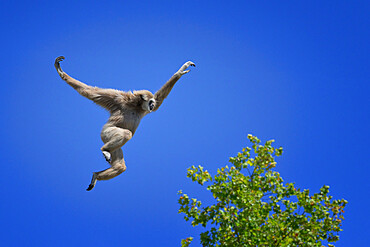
(126, 111)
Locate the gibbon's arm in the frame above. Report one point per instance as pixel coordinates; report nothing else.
(106, 98)
(162, 93)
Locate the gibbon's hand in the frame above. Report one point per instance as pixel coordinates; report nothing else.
(57, 65)
(182, 70)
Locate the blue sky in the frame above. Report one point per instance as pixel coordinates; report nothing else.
(294, 72)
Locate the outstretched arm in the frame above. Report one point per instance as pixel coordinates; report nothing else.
(162, 93)
(106, 98)
(79, 86)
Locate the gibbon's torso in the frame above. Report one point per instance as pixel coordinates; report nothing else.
(126, 119)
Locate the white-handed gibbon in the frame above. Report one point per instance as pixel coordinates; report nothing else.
(126, 111)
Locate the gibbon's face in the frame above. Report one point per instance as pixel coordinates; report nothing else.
(148, 105)
(148, 102)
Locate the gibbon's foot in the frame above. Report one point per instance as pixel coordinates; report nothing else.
(90, 187)
(93, 182)
(107, 156)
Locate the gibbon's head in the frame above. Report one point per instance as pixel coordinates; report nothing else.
(147, 100)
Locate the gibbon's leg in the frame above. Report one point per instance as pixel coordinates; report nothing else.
(118, 166)
(113, 138)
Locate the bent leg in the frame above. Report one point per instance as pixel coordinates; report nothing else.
(114, 138)
(118, 166)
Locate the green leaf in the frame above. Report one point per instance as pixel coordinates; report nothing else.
(253, 207)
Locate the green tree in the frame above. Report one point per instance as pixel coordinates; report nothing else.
(254, 207)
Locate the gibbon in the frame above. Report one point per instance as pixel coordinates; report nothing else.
(126, 111)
